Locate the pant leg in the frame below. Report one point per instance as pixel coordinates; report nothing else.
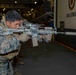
(6, 68)
(10, 69)
(3, 68)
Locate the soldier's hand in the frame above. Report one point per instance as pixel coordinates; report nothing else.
(23, 37)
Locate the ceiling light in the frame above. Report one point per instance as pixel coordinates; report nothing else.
(15, 1)
(32, 9)
(35, 2)
(4, 9)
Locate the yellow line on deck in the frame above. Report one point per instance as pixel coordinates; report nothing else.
(66, 46)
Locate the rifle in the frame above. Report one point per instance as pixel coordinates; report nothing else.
(36, 32)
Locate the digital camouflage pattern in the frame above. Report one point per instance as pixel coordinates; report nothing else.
(7, 44)
(6, 67)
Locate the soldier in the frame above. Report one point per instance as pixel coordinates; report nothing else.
(9, 44)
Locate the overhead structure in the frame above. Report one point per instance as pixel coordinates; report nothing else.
(44, 12)
(41, 8)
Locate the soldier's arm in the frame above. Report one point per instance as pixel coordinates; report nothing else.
(7, 46)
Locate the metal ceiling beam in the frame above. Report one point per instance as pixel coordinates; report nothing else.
(18, 1)
(12, 6)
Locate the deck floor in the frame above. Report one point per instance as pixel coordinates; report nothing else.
(48, 59)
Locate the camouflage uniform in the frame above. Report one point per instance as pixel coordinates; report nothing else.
(7, 44)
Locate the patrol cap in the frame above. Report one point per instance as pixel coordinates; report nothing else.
(13, 15)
